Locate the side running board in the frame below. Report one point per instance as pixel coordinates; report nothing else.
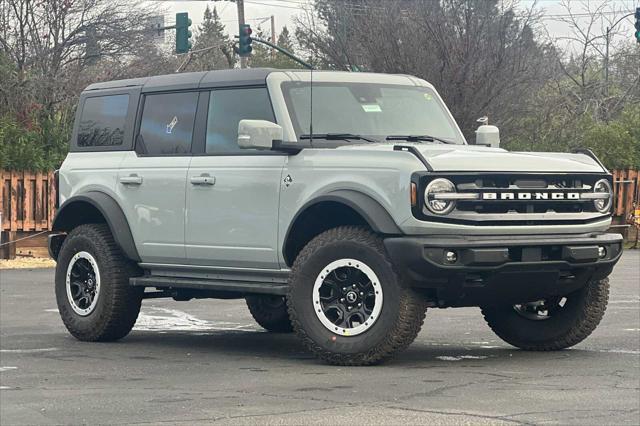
(234, 286)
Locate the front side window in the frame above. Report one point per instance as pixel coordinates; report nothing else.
(166, 127)
(368, 109)
(102, 121)
(226, 108)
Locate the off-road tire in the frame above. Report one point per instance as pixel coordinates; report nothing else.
(402, 314)
(575, 322)
(270, 312)
(118, 303)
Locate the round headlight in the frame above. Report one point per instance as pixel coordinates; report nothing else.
(438, 186)
(603, 205)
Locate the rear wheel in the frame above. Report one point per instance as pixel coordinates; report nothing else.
(346, 301)
(95, 300)
(553, 323)
(270, 312)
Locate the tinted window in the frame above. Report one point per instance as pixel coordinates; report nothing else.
(166, 127)
(227, 108)
(102, 121)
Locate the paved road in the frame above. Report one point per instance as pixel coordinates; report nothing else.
(206, 361)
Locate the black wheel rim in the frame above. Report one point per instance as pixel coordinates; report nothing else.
(347, 297)
(83, 283)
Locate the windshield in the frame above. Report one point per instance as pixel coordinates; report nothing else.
(369, 109)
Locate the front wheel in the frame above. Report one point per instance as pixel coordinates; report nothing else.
(553, 323)
(347, 303)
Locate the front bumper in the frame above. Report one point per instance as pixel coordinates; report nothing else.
(503, 269)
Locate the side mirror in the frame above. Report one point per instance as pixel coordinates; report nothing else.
(488, 135)
(258, 134)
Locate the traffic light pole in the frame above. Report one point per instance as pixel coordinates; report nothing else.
(240, 5)
(284, 52)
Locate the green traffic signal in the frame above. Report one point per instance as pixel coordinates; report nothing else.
(245, 40)
(183, 44)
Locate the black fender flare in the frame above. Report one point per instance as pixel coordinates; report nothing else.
(371, 211)
(376, 216)
(109, 209)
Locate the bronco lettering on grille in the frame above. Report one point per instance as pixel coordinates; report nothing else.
(536, 196)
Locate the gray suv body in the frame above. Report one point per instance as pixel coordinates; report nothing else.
(340, 205)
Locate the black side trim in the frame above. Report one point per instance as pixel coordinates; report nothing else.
(67, 217)
(416, 152)
(244, 287)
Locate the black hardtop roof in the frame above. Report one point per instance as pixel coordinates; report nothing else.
(187, 80)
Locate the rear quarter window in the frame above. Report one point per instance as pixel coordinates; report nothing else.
(102, 121)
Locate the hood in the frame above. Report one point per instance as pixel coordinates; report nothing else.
(471, 158)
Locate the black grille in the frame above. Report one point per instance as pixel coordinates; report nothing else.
(528, 184)
(538, 209)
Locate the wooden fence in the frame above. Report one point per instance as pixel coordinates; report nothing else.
(28, 201)
(627, 192)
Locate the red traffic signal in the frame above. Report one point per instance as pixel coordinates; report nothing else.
(246, 30)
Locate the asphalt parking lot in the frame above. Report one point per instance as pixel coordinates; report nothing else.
(207, 361)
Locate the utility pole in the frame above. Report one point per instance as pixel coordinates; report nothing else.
(606, 63)
(273, 36)
(240, 5)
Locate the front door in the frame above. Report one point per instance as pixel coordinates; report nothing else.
(233, 194)
(152, 180)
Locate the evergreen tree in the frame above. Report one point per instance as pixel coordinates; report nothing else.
(211, 33)
(263, 57)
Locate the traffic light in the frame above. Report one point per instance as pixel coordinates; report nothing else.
(638, 24)
(182, 32)
(245, 40)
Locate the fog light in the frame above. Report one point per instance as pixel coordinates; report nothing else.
(602, 252)
(450, 257)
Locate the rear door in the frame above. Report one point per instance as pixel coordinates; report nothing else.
(232, 193)
(151, 181)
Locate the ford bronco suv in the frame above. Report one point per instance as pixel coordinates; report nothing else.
(339, 205)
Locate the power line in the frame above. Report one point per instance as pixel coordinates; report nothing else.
(274, 5)
(585, 15)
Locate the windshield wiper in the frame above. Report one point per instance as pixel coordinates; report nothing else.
(418, 138)
(337, 137)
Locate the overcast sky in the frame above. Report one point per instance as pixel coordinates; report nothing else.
(257, 12)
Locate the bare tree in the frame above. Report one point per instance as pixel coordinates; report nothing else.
(482, 55)
(52, 42)
(594, 63)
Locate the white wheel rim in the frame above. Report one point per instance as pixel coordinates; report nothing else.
(366, 315)
(83, 283)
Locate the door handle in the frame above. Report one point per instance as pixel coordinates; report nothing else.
(203, 179)
(131, 180)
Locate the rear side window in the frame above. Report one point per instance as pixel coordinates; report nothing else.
(102, 121)
(166, 127)
(226, 109)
